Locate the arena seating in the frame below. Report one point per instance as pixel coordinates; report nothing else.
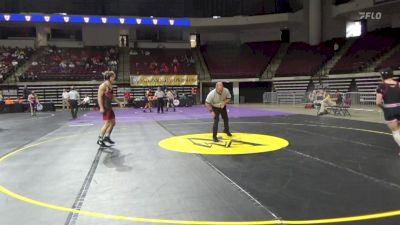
(161, 61)
(364, 51)
(232, 61)
(303, 59)
(78, 64)
(11, 59)
(393, 62)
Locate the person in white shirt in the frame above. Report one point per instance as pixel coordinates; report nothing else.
(216, 102)
(170, 101)
(159, 94)
(65, 103)
(73, 97)
(33, 102)
(85, 102)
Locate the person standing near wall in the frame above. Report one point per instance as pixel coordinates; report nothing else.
(170, 100)
(33, 102)
(159, 94)
(65, 103)
(73, 97)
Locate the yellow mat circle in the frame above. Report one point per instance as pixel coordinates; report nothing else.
(239, 143)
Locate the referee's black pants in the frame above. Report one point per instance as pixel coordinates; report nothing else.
(74, 108)
(224, 115)
(160, 105)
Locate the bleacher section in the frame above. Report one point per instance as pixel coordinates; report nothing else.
(303, 59)
(72, 64)
(291, 91)
(333, 84)
(161, 62)
(365, 50)
(228, 61)
(393, 62)
(368, 84)
(11, 59)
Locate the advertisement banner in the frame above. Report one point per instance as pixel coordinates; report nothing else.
(164, 80)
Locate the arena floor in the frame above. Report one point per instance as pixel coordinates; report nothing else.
(278, 168)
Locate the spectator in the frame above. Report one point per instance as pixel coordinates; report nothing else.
(20, 100)
(25, 92)
(1, 98)
(326, 102)
(159, 94)
(85, 102)
(9, 101)
(336, 47)
(63, 65)
(127, 96)
(73, 97)
(339, 97)
(14, 63)
(133, 52)
(170, 100)
(33, 102)
(164, 68)
(65, 102)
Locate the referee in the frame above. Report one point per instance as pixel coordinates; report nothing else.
(73, 97)
(216, 103)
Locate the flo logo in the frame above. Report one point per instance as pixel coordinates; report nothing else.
(370, 15)
(239, 143)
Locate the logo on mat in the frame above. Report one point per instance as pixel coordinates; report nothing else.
(239, 143)
(223, 142)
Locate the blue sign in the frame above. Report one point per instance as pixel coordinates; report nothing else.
(110, 20)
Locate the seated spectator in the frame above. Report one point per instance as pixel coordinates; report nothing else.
(20, 100)
(164, 68)
(1, 98)
(127, 96)
(336, 47)
(14, 63)
(85, 104)
(63, 65)
(326, 102)
(339, 97)
(175, 68)
(133, 52)
(9, 101)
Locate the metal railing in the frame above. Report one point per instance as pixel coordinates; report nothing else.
(299, 98)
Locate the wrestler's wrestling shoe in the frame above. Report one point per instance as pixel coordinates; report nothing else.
(108, 140)
(102, 144)
(215, 139)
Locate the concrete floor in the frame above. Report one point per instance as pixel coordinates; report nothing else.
(325, 172)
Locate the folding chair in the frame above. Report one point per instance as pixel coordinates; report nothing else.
(345, 107)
